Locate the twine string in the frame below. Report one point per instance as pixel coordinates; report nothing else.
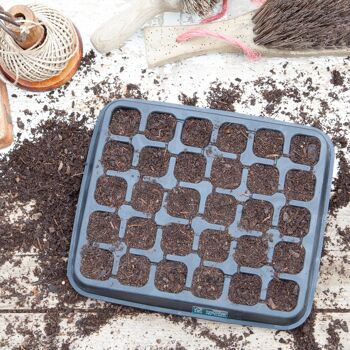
(48, 59)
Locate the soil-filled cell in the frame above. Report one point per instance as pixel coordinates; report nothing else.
(110, 191)
(294, 221)
(263, 179)
(251, 251)
(154, 161)
(245, 289)
(268, 144)
(125, 122)
(190, 167)
(257, 215)
(305, 150)
(183, 202)
(171, 276)
(133, 270)
(177, 239)
(140, 233)
(147, 197)
(160, 127)
(300, 185)
(103, 228)
(282, 295)
(232, 138)
(226, 173)
(208, 283)
(117, 156)
(220, 209)
(214, 245)
(288, 258)
(196, 132)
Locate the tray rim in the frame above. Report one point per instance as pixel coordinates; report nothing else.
(81, 201)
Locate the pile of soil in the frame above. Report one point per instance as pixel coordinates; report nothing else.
(160, 127)
(133, 270)
(196, 132)
(147, 197)
(226, 173)
(263, 179)
(288, 258)
(268, 144)
(245, 289)
(208, 283)
(154, 161)
(214, 245)
(232, 138)
(300, 185)
(171, 276)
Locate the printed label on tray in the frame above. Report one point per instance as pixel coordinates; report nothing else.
(209, 312)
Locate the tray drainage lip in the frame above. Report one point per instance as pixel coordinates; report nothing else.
(303, 309)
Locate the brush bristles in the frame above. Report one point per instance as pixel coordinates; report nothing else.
(200, 7)
(303, 24)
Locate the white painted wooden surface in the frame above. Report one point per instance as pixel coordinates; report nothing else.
(194, 75)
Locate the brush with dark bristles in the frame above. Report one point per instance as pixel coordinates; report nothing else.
(278, 28)
(135, 13)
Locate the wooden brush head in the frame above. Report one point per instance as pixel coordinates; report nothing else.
(303, 24)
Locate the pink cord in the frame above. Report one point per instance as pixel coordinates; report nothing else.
(195, 33)
(258, 2)
(219, 15)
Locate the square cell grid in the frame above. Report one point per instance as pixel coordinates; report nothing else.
(236, 237)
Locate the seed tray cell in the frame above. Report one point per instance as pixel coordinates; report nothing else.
(202, 213)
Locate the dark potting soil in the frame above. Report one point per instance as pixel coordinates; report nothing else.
(117, 156)
(220, 209)
(147, 197)
(305, 150)
(96, 263)
(154, 161)
(294, 221)
(251, 251)
(337, 79)
(208, 282)
(214, 245)
(190, 167)
(226, 173)
(171, 276)
(133, 270)
(196, 132)
(183, 202)
(300, 185)
(110, 191)
(288, 258)
(263, 179)
(160, 127)
(268, 144)
(177, 239)
(103, 228)
(125, 122)
(232, 138)
(140, 233)
(245, 289)
(282, 295)
(257, 215)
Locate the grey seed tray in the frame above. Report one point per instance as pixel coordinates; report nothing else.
(185, 303)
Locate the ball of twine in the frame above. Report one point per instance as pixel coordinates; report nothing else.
(47, 60)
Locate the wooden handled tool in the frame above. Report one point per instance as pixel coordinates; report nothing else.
(135, 13)
(280, 28)
(6, 133)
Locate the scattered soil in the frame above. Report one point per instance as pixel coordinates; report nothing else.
(125, 122)
(160, 127)
(117, 156)
(232, 138)
(245, 289)
(268, 144)
(110, 191)
(341, 196)
(251, 251)
(337, 79)
(214, 245)
(288, 258)
(263, 179)
(147, 197)
(190, 167)
(257, 215)
(171, 276)
(140, 233)
(333, 340)
(177, 239)
(226, 173)
(154, 161)
(282, 295)
(196, 132)
(300, 185)
(96, 263)
(103, 228)
(187, 100)
(133, 270)
(183, 202)
(208, 283)
(220, 209)
(294, 221)
(345, 235)
(305, 150)
(224, 98)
